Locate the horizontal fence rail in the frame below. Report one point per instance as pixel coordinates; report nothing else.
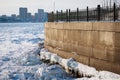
(95, 14)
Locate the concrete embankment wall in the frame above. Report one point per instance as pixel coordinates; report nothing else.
(95, 44)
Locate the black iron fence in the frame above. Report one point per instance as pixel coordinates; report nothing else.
(95, 14)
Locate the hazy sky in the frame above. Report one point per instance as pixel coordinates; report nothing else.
(12, 6)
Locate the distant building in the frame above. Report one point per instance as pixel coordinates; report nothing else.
(23, 14)
(41, 15)
(4, 16)
(13, 16)
(45, 17)
(36, 17)
(29, 17)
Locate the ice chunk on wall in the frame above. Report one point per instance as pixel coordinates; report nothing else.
(50, 56)
(69, 64)
(54, 72)
(55, 58)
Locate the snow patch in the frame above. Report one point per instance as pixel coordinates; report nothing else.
(54, 72)
(108, 75)
(55, 58)
(84, 70)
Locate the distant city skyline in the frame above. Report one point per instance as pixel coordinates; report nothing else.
(25, 16)
(11, 7)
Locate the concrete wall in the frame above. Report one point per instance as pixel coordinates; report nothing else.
(96, 44)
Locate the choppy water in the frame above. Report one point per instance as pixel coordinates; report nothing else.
(18, 54)
(17, 40)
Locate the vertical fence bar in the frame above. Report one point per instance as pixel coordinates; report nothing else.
(56, 16)
(87, 14)
(104, 13)
(114, 11)
(94, 15)
(61, 15)
(77, 14)
(66, 14)
(98, 7)
(52, 19)
(118, 9)
(69, 16)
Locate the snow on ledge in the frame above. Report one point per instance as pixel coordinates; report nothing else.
(84, 70)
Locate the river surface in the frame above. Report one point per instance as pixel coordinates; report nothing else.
(19, 50)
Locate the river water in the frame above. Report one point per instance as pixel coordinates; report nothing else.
(19, 50)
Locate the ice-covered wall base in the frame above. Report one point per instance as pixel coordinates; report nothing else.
(95, 44)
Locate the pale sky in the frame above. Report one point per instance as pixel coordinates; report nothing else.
(9, 7)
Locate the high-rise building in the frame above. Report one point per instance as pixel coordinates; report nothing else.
(36, 17)
(29, 17)
(40, 15)
(45, 17)
(23, 14)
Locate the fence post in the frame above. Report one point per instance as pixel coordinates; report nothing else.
(61, 15)
(77, 14)
(69, 16)
(52, 19)
(56, 16)
(98, 7)
(66, 14)
(87, 14)
(114, 7)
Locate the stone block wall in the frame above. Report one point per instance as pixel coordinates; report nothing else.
(95, 44)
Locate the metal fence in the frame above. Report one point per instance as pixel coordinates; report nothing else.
(95, 14)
